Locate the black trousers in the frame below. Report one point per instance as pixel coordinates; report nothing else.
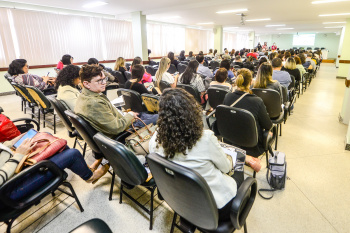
(224, 212)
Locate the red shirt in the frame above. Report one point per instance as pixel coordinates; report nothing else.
(253, 55)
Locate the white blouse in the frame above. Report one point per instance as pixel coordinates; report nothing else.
(209, 160)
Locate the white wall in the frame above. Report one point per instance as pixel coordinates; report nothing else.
(329, 41)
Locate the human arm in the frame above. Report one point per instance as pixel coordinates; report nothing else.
(173, 85)
(217, 155)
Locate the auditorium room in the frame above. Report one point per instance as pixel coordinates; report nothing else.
(174, 116)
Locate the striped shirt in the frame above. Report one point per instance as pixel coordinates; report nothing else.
(30, 80)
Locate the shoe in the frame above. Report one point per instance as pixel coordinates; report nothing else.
(255, 164)
(98, 174)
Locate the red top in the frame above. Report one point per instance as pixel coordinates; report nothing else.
(273, 47)
(253, 55)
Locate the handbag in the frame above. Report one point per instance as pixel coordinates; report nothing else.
(8, 130)
(46, 146)
(276, 174)
(138, 141)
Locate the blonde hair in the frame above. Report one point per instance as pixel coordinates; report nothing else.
(120, 62)
(290, 64)
(243, 80)
(264, 76)
(163, 67)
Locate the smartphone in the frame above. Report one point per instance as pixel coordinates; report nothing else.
(150, 87)
(30, 134)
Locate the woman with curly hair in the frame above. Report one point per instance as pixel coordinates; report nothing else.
(180, 137)
(66, 85)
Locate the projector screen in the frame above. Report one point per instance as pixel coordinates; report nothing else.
(304, 39)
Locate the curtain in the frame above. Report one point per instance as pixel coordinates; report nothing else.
(230, 41)
(43, 38)
(199, 40)
(7, 46)
(242, 41)
(163, 38)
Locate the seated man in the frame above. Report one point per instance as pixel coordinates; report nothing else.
(96, 108)
(202, 69)
(238, 61)
(282, 77)
(253, 54)
(226, 64)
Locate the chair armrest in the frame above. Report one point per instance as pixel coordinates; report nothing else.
(36, 196)
(28, 121)
(266, 136)
(243, 202)
(208, 117)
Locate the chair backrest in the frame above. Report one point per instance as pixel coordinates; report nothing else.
(163, 85)
(216, 96)
(121, 79)
(124, 162)
(127, 65)
(127, 75)
(185, 62)
(185, 191)
(214, 65)
(181, 67)
(132, 100)
(172, 69)
(292, 84)
(237, 126)
(153, 63)
(22, 91)
(151, 102)
(190, 89)
(285, 94)
(151, 70)
(60, 108)
(39, 97)
(272, 101)
(84, 129)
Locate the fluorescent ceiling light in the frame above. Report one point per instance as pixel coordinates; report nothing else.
(328, 1)
(333, 22)
(277, 25)
(334, 27)
(231, 11)
(252, 20)
(334, 14)
(94, 4)
(231, 27)
(284, 28)
(173, 17)
(205, 23)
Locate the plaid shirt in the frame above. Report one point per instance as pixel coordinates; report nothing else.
(30, 80)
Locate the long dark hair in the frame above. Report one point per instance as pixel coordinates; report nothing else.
(136, 61)
(180, 123)
(190, 72)
(16, 67)
(171, 56)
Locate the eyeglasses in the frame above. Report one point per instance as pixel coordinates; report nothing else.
(102, 80)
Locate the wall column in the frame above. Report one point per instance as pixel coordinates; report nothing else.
(340, 47)
(345, 52)
(139, 30)
(218, 38)
(251, 36)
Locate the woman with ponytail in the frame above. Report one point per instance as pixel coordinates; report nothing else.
(254, 105)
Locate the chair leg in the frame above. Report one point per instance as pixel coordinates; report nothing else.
(112, 185)
(245, 228)
(151, 209)
(75, 142)
(267, 158)
(121, 194)
(44, 120)
(276, 138)
(67, 184)
(173, 224)
(84, 150)
(280, 129)
(39, 116)
(9, 225)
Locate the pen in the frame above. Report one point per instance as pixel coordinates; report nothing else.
(48, 74)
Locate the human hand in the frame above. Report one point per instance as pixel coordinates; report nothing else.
(26, 146)
(135, 114)
(13, 141)
(46, 78)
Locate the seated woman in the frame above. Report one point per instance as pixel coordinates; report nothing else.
(173, 61)
(264, 79)
(120, 66)
(147, 78)
(226, 64)
(248, 64)
(306, 64)
(220, 80)
(69, 158)
(66, 86)
(210, 54)
(253, 104)
(299, 66)
(163, 75)
(18, 69)
(136, 77)
(65, 61)
(190, 77)
(191, 56)
(182, 56)
(181, 138)
(290, 67)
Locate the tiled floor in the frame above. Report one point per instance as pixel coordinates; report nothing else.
(315, 199)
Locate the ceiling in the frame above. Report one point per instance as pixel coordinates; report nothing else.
(298, 14)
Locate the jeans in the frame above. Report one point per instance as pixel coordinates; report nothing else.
(147, 118)
(69, 158)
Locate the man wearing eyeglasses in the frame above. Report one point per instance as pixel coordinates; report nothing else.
(96, 108)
